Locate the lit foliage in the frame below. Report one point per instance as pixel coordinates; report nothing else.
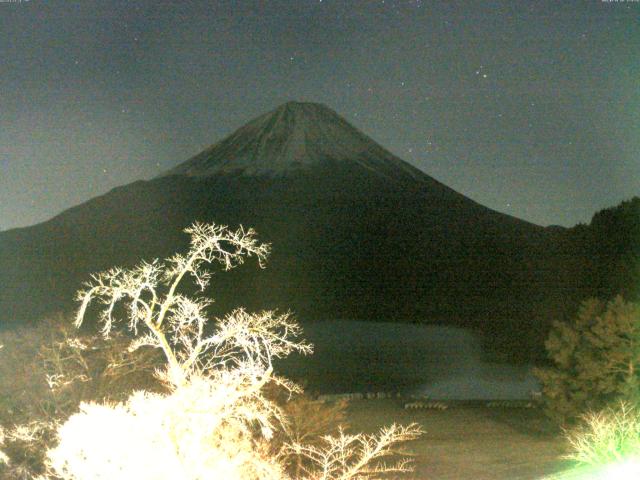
(173, 317)
(89, 367)
(308, 421)
(215, 422)
(605, 445)
(44, 390)
(195, 432)
(25, 448)
(355, 456)
(596, 360)
(609, 436)
(4, 459)
(625, 470)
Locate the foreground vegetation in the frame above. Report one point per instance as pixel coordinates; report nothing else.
(212, 415)
(177, 397)
(595, 360)
(592, 387)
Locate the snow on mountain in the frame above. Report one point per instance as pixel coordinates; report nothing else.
(294, 137)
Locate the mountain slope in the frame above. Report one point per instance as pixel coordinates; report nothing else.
(356, 233)
(295, 136)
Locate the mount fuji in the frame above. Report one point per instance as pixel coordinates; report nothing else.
(357, 233)
(293, 138)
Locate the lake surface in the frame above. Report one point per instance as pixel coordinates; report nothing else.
(439, 361)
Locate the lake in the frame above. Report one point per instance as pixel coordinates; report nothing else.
(439, 361)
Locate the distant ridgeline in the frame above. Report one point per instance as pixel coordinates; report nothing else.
(601, 259)
(610, 251)
(356, 233)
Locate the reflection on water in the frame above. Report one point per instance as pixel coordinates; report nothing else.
(439, 361)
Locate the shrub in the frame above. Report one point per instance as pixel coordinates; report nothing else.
(609, 436)
(596, 360)
(309, 422)
(214, 421)
(47, 371)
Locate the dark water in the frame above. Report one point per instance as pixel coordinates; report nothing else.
(439, 361)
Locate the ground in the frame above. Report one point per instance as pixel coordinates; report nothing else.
(470, 442)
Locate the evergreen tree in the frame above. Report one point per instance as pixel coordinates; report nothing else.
(595, 360)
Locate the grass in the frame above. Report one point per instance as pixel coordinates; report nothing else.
(468, 442)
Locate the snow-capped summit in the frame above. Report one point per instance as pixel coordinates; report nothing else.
(293, 137)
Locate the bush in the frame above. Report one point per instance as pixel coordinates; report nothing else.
(47, 370)
(213, 419)
(596, 360)
(609, 436)
(308, 423)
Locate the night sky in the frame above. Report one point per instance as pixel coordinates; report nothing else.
(529, 107)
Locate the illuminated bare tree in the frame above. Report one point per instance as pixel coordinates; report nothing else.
(344, 456)
(215, 422)
(175, 323)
